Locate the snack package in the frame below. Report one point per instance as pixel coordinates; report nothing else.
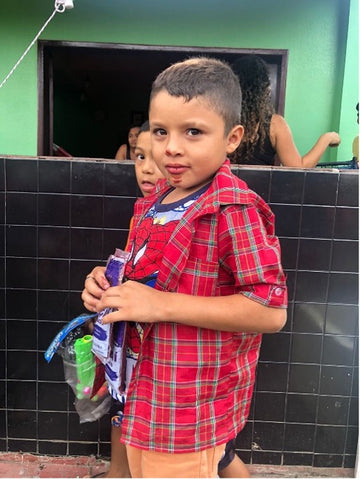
(115, 366)
(83, 371)
(103, 334)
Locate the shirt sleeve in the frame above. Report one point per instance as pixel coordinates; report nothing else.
(249, 250)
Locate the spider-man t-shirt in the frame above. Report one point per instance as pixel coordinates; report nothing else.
(153, 233)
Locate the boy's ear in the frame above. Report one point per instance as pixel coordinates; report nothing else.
(234, 138)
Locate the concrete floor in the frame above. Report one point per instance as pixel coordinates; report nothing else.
(23, 465)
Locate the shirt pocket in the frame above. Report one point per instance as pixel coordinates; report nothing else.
(199, 277)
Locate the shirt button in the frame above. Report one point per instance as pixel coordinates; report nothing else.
(278, 291)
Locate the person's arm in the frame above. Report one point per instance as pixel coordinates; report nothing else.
(257, 274)
(235, 313)
(121, 153)
(289, 156)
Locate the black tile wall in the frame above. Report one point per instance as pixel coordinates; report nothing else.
(2, 174)
(54, 176)
(284, 189)
(63, 217)
(53, 209)
(319, 192)
(21, 175)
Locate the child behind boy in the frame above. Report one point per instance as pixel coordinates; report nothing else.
(147, 174)
(209, 243)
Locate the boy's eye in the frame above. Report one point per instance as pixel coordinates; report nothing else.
(159, 132)
(193, 132)
(139, 156)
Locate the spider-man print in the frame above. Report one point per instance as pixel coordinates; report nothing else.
(142, 266)
(151, 237)
(147, 251)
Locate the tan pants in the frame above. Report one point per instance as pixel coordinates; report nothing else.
(147, 464)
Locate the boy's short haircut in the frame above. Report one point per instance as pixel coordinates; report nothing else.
(205, 77)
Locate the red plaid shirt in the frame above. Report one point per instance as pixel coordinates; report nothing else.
(191, 388)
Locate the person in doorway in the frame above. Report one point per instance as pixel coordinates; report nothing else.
(127, 150)
(208, 243)
(268, 138)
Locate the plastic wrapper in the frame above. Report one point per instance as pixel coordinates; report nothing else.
(83, 371)
(109, 339)
(103, 333)
(115, 366)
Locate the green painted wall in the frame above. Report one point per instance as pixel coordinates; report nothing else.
(314, 31)
(348, 116)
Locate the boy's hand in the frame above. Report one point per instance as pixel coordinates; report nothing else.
(137, 302)
(94, 286)
(134, 301)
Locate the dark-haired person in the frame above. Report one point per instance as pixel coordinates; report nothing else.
(127, 150)
(267, 134)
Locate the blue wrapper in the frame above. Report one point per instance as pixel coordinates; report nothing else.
(65, 332)
(115, 367)
(103, 334)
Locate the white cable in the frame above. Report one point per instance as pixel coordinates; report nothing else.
(59, 6)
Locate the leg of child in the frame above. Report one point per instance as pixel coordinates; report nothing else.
(231, 466)
(118, 461)
(236, 469)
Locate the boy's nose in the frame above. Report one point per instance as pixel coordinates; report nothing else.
(173, 146)
(147, 166)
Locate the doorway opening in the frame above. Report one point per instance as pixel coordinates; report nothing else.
(90, 93)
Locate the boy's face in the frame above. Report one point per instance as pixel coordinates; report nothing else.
(188, 140)
(146, 170)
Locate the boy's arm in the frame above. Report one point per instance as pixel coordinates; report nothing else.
(236, 313)
(249, 252)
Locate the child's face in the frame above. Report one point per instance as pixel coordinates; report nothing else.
(146, 170)
(132, 136)
(188, 140)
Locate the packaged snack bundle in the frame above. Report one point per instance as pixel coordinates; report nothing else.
(83, 371)
(109, 340)
(115, 367)
(94, 364)
(103, 334)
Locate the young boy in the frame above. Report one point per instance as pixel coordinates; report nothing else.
(209, 244)
(147, 174)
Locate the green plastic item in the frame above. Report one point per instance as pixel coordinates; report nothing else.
(85, 366)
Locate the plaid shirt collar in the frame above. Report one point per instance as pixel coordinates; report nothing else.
(225, 189)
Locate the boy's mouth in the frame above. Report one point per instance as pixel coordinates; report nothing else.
(147, 186)
(176, 169)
